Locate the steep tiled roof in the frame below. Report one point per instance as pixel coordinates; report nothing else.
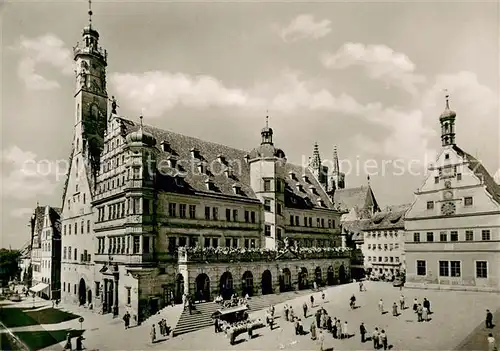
(480, 171)
(350, 198)
(39, 216)
(191, 180)
(55, 218)
(388, 219)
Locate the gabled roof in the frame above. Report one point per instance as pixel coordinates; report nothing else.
(388, 219)
(191, 181)
(358, 198)
(480, 171)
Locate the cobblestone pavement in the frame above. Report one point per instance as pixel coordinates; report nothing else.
(456, 315)
(477, 339)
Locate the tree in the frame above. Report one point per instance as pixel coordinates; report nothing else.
(9, 265)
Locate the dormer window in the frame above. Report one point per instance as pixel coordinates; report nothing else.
(165, 146)
(201, 168)
(221, 159)
(292, 175)
(236, 189)
(305, 178)
(228, 172)
(299, 187)
(195, 153)
(312, 188)
(172, 163)
(446, 156)
(208, 184)
(246, 157)
(320, 203)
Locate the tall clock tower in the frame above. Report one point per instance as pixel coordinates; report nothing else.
(91, 98)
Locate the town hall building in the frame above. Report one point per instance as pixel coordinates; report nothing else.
(149, 215)
(453, 226)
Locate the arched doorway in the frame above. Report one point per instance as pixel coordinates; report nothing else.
(267, 282)
(318, 276)
(226, 285)
(342, 275)
(203, 287)
(179, 288)
(286, 280)
(330, 276)
(247, 283)
(89, 296)
(303, 281)
(82, 292)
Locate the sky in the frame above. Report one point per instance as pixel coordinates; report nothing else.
(367, 77)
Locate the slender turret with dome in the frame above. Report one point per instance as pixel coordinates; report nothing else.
(447, 120)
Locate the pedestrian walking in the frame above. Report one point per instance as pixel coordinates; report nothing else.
(312, 301)
(360, 286)
(489, 319)
(126, 320)
(340, 332)
(383, 339)
(321, 340)
(492, 344)
(153, 334)
(79, 343)
(285, 312)
(345, 330)
(402, 302)
(329, 324)
(313, 331)
(415, 305)
(425, 314)
(318, 318)
(362, 332)
(323, 295)
(334, 328)
(381, 306)
(304, 307)
(395, 309)
(427, 303)
(375, 339)
(68, 345)
(420, 311)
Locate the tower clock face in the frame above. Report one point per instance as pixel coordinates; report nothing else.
(448, 208)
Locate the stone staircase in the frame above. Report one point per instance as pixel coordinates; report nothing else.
(201, 316)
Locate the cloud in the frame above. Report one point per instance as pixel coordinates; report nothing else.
(379, 61)
(47, 49)
(305, 27)
(156, 92)
(21, 212)
(27, 176)
(463, 87)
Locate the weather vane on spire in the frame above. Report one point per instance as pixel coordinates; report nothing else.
(447, 97)
(267, 118)
(90, 12)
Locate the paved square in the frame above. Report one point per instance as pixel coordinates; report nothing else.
(455, 316)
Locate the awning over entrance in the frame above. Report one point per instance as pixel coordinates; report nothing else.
(39, 287)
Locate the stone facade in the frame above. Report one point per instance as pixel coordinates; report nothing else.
(134, 201)
(453, 226)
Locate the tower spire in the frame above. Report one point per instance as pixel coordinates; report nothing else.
(447, 121)
(267, 118)
(90, 13)
(336, 168)
(267, 133)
